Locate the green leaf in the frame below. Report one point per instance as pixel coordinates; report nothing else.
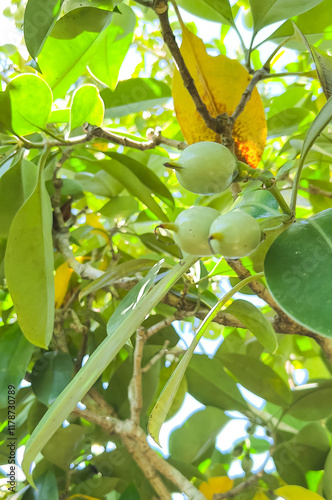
(101, 358)
(315, 23)
(197, 435)
(209, 383)
(256, 322)
(323, 63)
(298, 272)
(46, 487)
(119, 207)
(312, 403)
(134, 185)
(39, 19)
(87, 106)
(114, 273)
(59, 116)
(257, 202)
(327, 478)
(288, 121)
(160, 245)
(134, 95)
(212, 10)
(273, 11)
(71, 439)
(146, 176)
(71, 45)
(111, 51)
(30, 103)
(16, 352)
(130, 493)
(16, 185)
(51, 373)
(29, 265)
(257, 378)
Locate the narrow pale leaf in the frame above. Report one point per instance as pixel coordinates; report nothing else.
(99, 360)
(61, 282)
(115, 273)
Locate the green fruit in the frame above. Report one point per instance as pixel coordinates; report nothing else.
(205, 168)
(235, 234)
(191, 229)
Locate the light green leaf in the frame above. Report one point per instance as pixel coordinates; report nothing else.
(134, 95)
(256, 322)
(120, 207)
(111, 51)
(272, 11)
(29, 265)
(257, 202)
(101, 358)
(60, 116)
(288, 121)
(197, 435)
(323, 63)
(212, 10)
(298, 272)
(257, 378)
(133, 184)
(16, 185)
(16, 352)
(115, 273)
(71, 45)
(39, 19)
(30, 103)
(87, 106)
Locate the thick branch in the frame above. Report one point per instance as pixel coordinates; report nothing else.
(135, 387)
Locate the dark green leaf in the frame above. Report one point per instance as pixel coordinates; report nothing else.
(51, 373)
(146, 176)
(257, 377)
(16, 352)
(70, 439)
(210, 384)
(46, 487)
(298, 271)
(256, 322)
(39, 19)
(312, 403)
(327, 478)
(132, 183)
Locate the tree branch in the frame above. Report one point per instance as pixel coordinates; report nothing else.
(135, 386)
(155, 139)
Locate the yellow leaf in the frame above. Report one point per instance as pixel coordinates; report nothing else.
(219, 484)
(297, 493)
(220, 82)
(93, 221)
(61, 282)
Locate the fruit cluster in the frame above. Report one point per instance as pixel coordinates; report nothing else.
(208, 168)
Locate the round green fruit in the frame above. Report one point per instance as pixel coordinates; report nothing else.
(205, 168)
(235, 234)
(191, 229)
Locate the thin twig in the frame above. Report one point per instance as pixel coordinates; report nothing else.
(135, 386)
(156, 357)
